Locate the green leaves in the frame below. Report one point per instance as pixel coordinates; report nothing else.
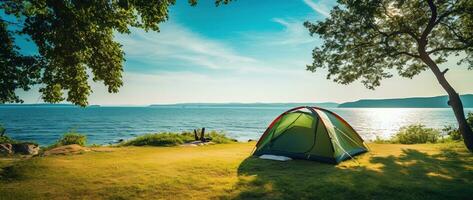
(75, 44)
(17, 71)
(368, 40)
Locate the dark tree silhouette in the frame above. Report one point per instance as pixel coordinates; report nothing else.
(366, 40)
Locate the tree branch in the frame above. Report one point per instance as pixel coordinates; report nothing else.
(444, 71)
(447, 49)
(396, 32)
(407, 53)
(460, 38)
(431, 24)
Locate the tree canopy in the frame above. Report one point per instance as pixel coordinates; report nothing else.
(75, 39)
(367, 40)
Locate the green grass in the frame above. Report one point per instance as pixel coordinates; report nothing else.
(174, 139)
(388, 171)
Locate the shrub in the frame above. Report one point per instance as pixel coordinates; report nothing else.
(452, 133)
(220, 137)
(2, 130)
(416, 134)
(380, 140)
(159, 139)
(173, 139)
(6, 139)
(72, 138)
(469, 119)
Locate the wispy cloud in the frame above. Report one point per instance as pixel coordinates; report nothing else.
(321, 7)
(178, 49)
(294, 33)
(176, 45)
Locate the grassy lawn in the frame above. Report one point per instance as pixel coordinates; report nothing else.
(224, 171)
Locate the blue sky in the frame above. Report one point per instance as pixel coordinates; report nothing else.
(247, 51)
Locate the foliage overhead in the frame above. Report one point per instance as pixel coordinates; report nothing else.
(75, 40)
(367, 40)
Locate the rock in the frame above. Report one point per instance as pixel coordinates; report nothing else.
(120, 140)
(250, 140)
(67, 149)
(26, 148)
(6, 149)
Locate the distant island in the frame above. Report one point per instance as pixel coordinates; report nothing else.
(44, 105)
(414, 102)
(325, 105)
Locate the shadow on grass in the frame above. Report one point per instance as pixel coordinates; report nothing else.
(411, 175)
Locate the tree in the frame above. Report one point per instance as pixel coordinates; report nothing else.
(74, 39)
(368, 40)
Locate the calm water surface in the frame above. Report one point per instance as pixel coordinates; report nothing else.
(103, 125)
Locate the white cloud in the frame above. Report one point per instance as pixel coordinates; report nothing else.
(294, 33)
(178, 45)
(321, 7)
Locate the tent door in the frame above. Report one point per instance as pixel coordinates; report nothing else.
(298, 138)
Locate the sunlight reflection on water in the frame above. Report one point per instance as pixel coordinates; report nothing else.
(107, 124)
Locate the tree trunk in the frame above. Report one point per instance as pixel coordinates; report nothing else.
(454, 100)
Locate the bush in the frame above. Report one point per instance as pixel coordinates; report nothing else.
(220, 138)
(2, 130)
(72, 138)
(173, 139)
(416, 134)
(380, 140)
(452, 133)
(160, 139)
(6, 139)
(469, 119)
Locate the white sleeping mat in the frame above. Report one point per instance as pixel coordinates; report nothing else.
(274, 157)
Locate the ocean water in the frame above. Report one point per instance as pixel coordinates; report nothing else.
(104, 125)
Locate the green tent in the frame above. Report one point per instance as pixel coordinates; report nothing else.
(311, 133)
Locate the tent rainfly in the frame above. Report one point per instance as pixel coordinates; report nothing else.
(311, 133)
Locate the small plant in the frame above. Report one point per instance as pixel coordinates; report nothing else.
(416, 134)
(3, 137)
(220, 137)
(159, 139)
(469, 119)
(6, 139)
(452, 133)
(380, 140)
(2, 130)
(173, 139)
(72, 138)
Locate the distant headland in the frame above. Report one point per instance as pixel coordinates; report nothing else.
(412, 102)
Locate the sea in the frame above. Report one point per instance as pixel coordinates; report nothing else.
(107, 125)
